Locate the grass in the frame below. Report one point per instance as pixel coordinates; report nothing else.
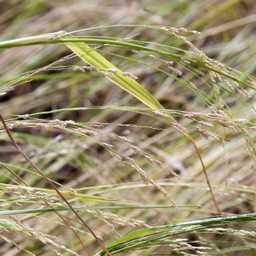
(119, 154)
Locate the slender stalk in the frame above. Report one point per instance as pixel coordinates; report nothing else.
(93, 58)
(51, 38)
(12, 172)
(39, 39)
(205, 174)
(61, 216)
(55, 188)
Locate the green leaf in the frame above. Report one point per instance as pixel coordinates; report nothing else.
(93, 58)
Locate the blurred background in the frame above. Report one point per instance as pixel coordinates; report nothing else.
(227, 35)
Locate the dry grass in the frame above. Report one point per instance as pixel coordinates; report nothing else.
(94, 140)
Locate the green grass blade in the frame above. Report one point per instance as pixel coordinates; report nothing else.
(34, 211)
(204, 223)
(93, 58)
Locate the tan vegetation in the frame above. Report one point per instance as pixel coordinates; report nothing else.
(125, 137)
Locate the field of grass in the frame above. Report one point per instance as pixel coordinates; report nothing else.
(133, 132)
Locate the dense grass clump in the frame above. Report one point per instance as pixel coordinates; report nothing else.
(128, 139)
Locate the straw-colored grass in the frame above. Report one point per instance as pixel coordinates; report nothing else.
(130, 139)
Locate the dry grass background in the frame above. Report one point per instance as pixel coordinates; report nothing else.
(227, 35)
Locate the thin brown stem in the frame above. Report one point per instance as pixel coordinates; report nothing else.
(73, 232)
(205, 174)
(6, 167)
(12, 172)
(53, 186)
